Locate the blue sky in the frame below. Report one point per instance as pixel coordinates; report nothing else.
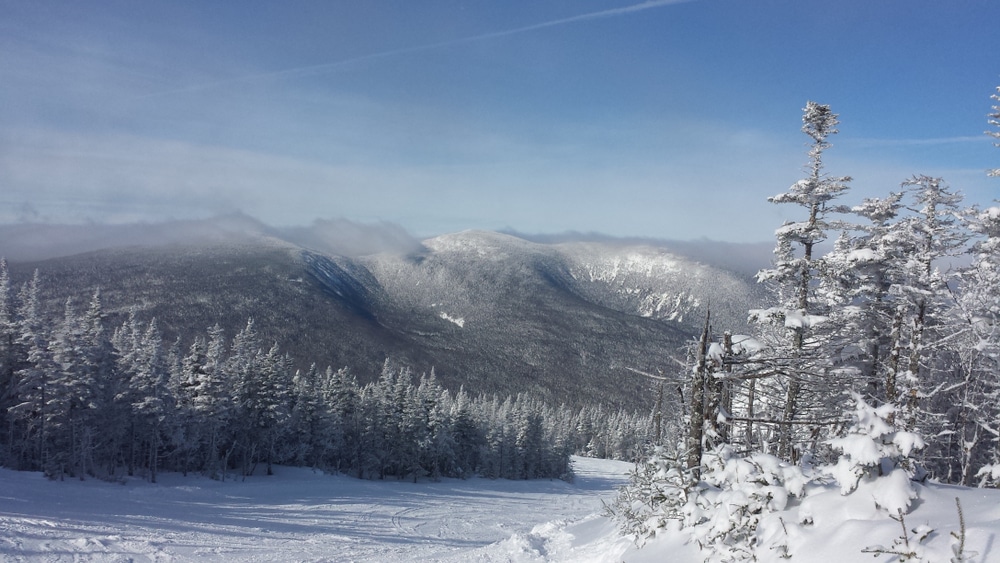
(660, 119)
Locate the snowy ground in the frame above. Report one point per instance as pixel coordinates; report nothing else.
(842, 528)
(299, 515)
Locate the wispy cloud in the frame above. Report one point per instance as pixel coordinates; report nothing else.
(81, 177)
(613, 12)
(333, 66)
(872, 143)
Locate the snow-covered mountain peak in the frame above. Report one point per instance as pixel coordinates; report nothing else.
(639, 279)
(483, 244)
(605, 263)
(655, 283)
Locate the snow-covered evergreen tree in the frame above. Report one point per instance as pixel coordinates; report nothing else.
(99, 358)
(32, 388)
(467, 436)
(933, 235)
(343, 439)
(799, 364)
(306, 419)
(8, 360)
(437, 449)
(187, 431)
(860, 273)
(151, 398)
(213, 403)
(272, 410)
(875, 451)
(70, 404)
(980, 301)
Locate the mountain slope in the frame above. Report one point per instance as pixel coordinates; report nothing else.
(492, 312)
(654, 283)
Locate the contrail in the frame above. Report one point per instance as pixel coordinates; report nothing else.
(329, 67)
(864, 143)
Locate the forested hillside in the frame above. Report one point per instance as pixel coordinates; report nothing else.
(480, 354)
(490, 312)
(83, 398)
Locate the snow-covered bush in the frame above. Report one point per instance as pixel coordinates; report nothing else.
(736, 492)
(989, 475)
(657, 494)
(874, 449)
(720, 513)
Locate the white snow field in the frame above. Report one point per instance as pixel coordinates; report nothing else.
(301, 515)
(846, 529)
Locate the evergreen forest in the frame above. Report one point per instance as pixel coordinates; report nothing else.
(79, 398)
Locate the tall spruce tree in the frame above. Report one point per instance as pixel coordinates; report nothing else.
(71, 397)
(8, 363)
(213, 403)
(271, 411)
(306, 417)
(799, 363)
(151, 398)
(981, 304)
(343, 436)
(33, 386)
(860, 272)
(932, 235)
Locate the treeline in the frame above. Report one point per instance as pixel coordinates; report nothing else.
(78, 399)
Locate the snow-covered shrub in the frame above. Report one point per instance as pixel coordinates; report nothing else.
(875, 452)
(911, 544)
(721, 513)
(989, 475)
(908, 546)
(657, 493)
(736, 492)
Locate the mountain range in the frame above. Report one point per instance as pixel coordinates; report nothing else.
(490, 312)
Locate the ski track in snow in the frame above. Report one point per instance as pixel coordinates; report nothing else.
(299, 515)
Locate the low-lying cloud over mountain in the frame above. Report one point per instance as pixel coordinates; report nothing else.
(41, 241)
(489, 311)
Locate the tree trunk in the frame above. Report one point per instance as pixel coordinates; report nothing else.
(726, 389)
(696, 422)
(658, 414)
(786, 445)
(751, 397)
(913, 382)
(892, 371)
(153, 451)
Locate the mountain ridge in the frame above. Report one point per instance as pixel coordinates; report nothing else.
(488, 311)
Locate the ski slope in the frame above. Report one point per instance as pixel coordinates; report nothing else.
(301, 515)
